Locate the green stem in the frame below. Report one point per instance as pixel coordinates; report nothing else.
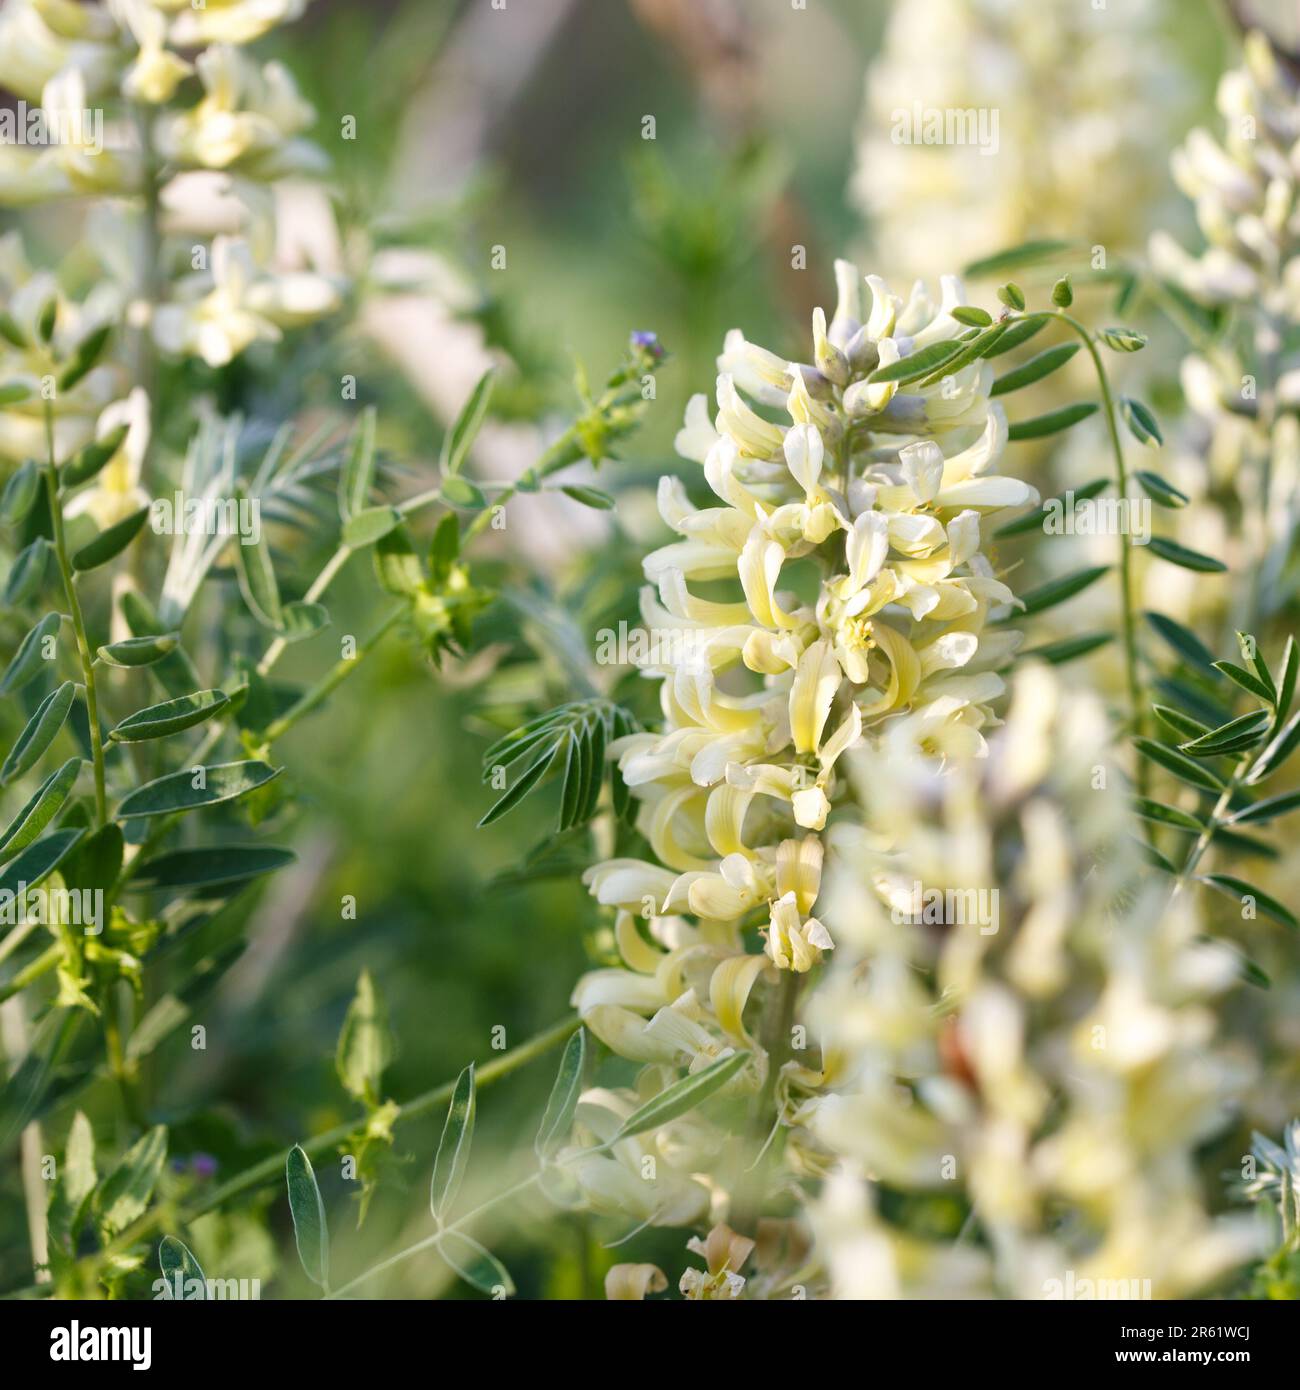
(778, 1023)
(333, 678)
(1214, 822)
(1127, 606)
(78, 621)
(33, 970)
(272, 1168)
(439, 1235)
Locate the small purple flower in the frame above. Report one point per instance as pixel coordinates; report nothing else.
(204, 1165)
(648, 341)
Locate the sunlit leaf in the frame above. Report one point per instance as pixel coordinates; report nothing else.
(160, 721)
(308, 1211)
(42, 729)
(454, 1146)
(186, 790)
(684, 1095)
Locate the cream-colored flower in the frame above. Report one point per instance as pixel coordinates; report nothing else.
(217, 315)
(249, 120)
(116, 492)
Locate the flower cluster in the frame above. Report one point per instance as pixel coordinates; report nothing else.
(1052, 83)
(868, 499)
(205, 171)
(1244, 188)
(1062, 1063)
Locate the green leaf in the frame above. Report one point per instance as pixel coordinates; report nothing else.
(40, 810)
(460, 492)
(1182, 639)
(79, 1177)
(1231, 737)
(179, 1266)
(174, 671)
(365, 528)
(358, 474)
(920, 363)
(125, 1193)
(1287, 681)
(563, 1102)
(1270, 809)
(972, 316)
(1053, 422)
(132, 652)
(40, 860)
(457, 441)
(1163, 494)
(20, 493)
(1026, 253)
(397, 566)
(1058, 590)
(110, 543)
(1250, 650)
(97, 860)
(177, 791)
(1184, 768)
(89, 460)
(1166, 815)
(523, 785)
(48, 318)
(589, 497)
(1276, 752)
(1068, 648)
(1012, 295)
(29, 658)
(1238, 888)
(444, 549)
(42, 729)
(160, 721)
(454, 1146)
(475, 1264)
(573, 736)
(1123, 339)
(1018, 331)
(365, 1046)
(27, 573)
(14, 393)
(1245, 680)
(257, 582)
(972, 351)
(1142, 424)
(301, 620)
(1179, 723)
(308, 1211)
(1040, 365)
(682, 1096)
(84, 356)
(212, 866)
(1180, 555)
